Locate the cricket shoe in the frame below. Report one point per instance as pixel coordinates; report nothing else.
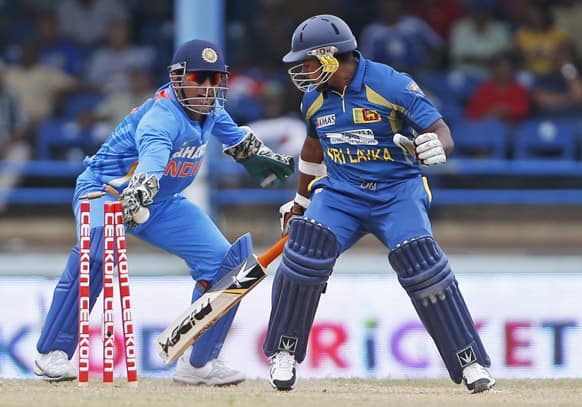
(282, 372)
(213, 373)
(54, 366)
(477, 378)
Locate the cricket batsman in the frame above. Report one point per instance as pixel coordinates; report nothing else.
(370, 129)
(150, 158)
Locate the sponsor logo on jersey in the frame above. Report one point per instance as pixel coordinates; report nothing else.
(415, 88)
(354, 137)
(191, 152)
(325, 121)
(362, 115)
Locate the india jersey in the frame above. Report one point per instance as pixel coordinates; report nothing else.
(159, 138)
(356, 126)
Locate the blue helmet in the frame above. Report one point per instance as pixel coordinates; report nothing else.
(318, 32)
(201, 64)
(200, 55)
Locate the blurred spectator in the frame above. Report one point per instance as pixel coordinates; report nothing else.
(568, 16)
(110, 66)
(13, 147)
(404, 42)
(38, 87)
(538, 40)
(286, 133)
(87, 21)
(500, 97)
(477, 38)
(12, 120)
(559, 93)
(55, 50)
(439, 14)
(244, 97)
(118, 104)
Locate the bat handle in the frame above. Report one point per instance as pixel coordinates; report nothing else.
(266, 258)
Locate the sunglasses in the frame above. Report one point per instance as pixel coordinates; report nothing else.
(201, 76)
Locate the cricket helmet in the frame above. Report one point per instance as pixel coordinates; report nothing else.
(322, 37)
(203, 64)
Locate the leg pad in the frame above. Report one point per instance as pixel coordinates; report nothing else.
(424, 272)
(209, 345)
(302, 276)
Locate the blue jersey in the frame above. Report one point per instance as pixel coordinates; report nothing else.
(159, 138)
(356, 127)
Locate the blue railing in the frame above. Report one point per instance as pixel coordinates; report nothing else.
(227, 170)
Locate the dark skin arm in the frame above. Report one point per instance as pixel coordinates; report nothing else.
(441, 129)
(311, 152)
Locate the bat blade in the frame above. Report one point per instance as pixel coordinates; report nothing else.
(208, 309)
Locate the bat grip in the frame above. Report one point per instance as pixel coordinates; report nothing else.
(274, 251)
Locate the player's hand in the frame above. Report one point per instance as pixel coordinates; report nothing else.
(268, 169)
(138, 195)
(287, 211)
(426, 148)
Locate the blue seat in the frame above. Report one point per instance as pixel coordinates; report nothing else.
(480, 139)
(545, 139)
(447, 85)
(57, 138)
(81, 102)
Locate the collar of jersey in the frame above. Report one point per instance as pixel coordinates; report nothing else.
(358, 79)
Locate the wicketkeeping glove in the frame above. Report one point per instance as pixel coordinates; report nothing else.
(139, 194)
(268, 169)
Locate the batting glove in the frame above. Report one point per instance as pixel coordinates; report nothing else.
(287, 211)
(426, 148)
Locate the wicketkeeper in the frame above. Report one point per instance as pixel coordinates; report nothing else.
(150, 158)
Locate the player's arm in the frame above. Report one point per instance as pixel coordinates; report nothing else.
(311, 166)
(154, 145)
(443, 133)
(434, 141)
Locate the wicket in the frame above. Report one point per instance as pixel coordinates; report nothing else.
(113, 244)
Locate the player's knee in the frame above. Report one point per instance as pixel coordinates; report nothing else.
(310, 252)
(422, 267)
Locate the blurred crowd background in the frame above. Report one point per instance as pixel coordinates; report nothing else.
(504, 73)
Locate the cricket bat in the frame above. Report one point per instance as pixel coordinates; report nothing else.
(214, 303)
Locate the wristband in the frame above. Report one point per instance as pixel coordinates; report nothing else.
(301, 200)
(314, 169)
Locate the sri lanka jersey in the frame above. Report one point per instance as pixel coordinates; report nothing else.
(159, 138)
(356, 126)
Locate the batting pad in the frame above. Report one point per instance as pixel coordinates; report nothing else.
(307, 262)
(424, 272)
(209, 345)
(61, 327)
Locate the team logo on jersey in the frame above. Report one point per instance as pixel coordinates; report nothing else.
(325, 121)
(362, 115)
(353, 137)
(209, 55)
(414, 87)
